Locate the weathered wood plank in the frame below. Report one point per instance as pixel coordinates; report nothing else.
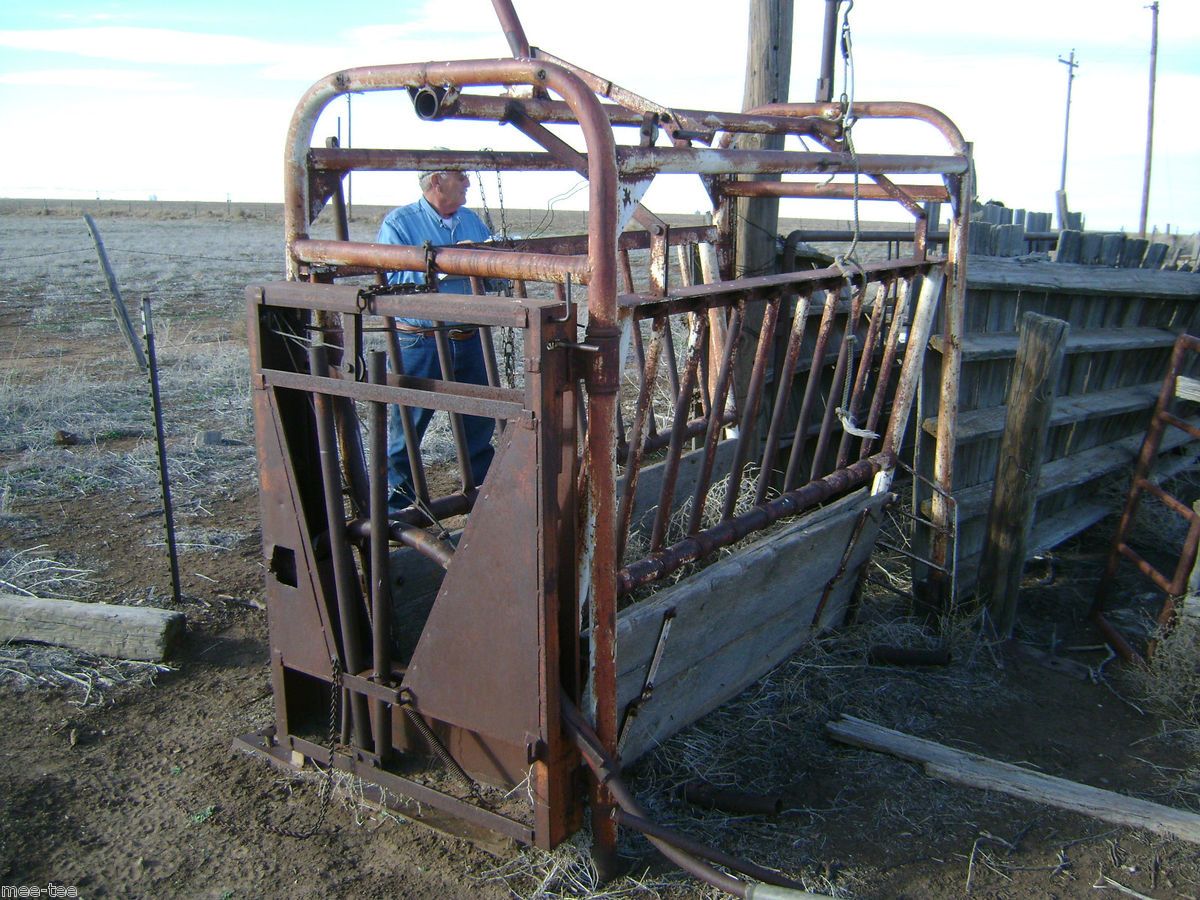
(980, 346)
(102, 629)
(1072, 471)
(737, 619)
(987, 423)
(988, 273)
(974, 770)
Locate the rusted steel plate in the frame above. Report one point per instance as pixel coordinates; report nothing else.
(476, 664)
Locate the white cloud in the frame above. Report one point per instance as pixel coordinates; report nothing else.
(162, 46)
(95, 79)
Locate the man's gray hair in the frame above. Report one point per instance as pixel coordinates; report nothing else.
(425, 179)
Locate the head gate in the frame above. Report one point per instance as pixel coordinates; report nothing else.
(502, 625)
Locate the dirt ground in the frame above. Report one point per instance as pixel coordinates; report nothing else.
(119, 778)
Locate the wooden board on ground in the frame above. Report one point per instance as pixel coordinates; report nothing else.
(978, 771)
(102, 629)
(737, 619)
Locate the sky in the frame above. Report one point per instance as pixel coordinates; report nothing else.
(139, 99)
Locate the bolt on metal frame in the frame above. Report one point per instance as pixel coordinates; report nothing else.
(525, 619)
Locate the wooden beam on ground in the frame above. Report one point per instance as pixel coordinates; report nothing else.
(1014, 493)
(102, 629)
(978, 771)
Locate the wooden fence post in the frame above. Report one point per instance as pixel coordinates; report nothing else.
(1040, 351)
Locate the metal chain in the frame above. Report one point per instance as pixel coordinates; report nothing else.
(508, 343)
(335, 707)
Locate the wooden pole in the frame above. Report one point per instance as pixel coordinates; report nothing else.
(118, 304)
(768, 74)
(1040, 350)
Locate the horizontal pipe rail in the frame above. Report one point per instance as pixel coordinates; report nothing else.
(354, 300)
(923, 193)
(428, 393)
(733, 530)
(555, 112)
(449, 260)
(704, 161)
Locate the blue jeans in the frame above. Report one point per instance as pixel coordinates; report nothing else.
(420, 358)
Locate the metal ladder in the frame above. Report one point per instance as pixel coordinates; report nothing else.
(1177, 388)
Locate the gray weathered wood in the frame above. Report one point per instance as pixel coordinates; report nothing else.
(102, 629)
(1039, 275)
(739, 618)
(979, 346)
(986, 423)
(978, 771)
(1155, 254)
(1072, 471)
(1132, 253)
(1022, 447)
(1111, 246)
(1070, 246)
(118, 303)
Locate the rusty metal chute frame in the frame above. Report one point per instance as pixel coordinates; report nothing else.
(525, 618)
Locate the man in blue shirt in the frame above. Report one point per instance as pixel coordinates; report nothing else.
(441, 218)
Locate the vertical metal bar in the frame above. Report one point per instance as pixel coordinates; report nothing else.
(758, 375)
(914, 355)
(489, 349)
(446, 360)
(890, 348)
(683, 402)
(381, 580)
(870, 345)
(164, 476)
(633, 462)
(947, 427)
(412, 446)
(811, 389)
(783, 390)
(627, 271)
(639, 349)
(713, 432)
(840, 374)
(672, 364)
(345, 582)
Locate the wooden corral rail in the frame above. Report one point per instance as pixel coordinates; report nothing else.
(1123, 325)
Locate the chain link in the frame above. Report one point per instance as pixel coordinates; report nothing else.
(508, 343)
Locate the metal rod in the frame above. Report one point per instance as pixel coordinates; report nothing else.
(412, 447)
(633, 463)
(457, 428)
(381, 580)
(713, 433)
(666, 560)
(163, 473)
(783, 390)
(811, 389)
(683, 400)
(758, 374)
(345, 583)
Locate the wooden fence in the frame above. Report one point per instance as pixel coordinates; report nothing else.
(1000, 231)
(1123, 323)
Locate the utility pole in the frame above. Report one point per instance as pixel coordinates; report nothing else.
(1153, 7)
(1062, 182)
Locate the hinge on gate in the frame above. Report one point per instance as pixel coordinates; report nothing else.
(597, 360)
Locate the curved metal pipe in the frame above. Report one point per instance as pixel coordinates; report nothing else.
(606, 771)
(427, 102)
(428, 545)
